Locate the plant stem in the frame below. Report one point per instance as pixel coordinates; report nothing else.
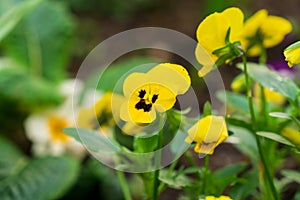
(206, 170)
(263, 104)
(124, 185)
(157, 161)
(257, 138)
(163, 186)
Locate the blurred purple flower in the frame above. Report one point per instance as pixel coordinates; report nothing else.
(282, 68)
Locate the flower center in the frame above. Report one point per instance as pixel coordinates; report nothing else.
(56, 124)
(146, 101)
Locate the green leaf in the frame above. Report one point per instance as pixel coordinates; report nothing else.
(230, 170)
(206, 109)
(145, 144)
(228, 175)
(280, 115)
(95, 141)
(247, 188)
(246, 144)
(41, 178)
(291, 174)
(10, 157)
(293, 46)
(273, 81)
(9, 153)
(41, 43)
(175, 180)
(275, 137)
(235, 101)
(27, 90)
(13, 16)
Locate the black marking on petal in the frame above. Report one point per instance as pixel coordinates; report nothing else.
(143, 105)
(142, 93)
(154, 98)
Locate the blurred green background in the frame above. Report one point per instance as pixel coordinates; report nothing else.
(44, 42)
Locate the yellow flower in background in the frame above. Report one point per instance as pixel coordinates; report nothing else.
(263, 29)
(292, 135)
(156, 90)
(239, 83)
(208, 133)
(44, 129)
(99, 115)
(271, 96)
(292, 54)
(216, 198)
(211, 34)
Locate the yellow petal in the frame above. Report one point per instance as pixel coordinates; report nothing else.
(292, 56)
(254, 22)
(133, 81)
(211, 34)
(208, 133)
(274, 29)
(212, 30)
(206, 59)
(172, 76)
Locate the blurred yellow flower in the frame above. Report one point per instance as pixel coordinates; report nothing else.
(208, 133)
(239, 83)
(292, 135)
(216, 198)
(211, 34)
(292, 54)
(156, 90)
(263, 30)
(271, 96)
(99, 115)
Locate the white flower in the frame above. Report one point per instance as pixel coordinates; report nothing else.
(44, 129)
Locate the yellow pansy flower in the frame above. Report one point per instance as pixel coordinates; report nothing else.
(211, 34)
(216, 198)
(156, 90)
(292, 54)
(271, 96)
(208, 133)
(264, 30)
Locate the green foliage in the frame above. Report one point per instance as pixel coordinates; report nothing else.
(207, 109)
(291, 174)
(228, 176)
(117, 9)
(28, 91)
(176, 180)
(94, 141)
(275, 137)
(247, 187)
(41, 42)
(9, 156)
(273, 81)
(39, 178)
(236, 102)
(13, 16)
(145, 144)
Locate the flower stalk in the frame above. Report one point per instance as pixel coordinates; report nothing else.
(124, 185)
(257, 138)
